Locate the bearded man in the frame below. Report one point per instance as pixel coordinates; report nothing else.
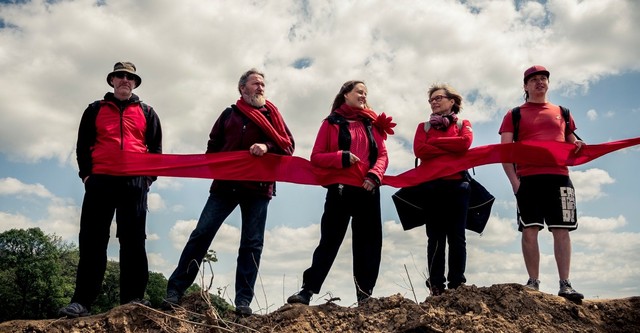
(252, 124)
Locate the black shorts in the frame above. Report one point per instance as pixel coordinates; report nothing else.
(546, 199)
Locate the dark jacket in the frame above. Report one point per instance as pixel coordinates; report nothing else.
(234, 131)
(111, 124)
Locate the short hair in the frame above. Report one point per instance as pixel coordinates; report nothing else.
(243, 79)
(451, 93)
(346, 87)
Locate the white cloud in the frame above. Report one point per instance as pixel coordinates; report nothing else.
(190, 75)
(155, 202)
(588, 183)
(14, 221)
(595, 225)
(592, 114)
(179, 233)
(14, 187)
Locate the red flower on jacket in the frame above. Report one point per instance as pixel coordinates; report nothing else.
(385, 125)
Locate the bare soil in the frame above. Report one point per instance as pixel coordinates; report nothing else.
(498, 308)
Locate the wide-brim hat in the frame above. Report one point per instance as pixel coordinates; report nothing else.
(533, 70)
(124, 66)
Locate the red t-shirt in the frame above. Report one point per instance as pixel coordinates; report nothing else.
(539, 122)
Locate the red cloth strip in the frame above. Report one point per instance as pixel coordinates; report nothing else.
(241, 165)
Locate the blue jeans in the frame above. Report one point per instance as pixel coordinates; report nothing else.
(446, 224)
(215, 211)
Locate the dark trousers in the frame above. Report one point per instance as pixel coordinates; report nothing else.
(446, 224)
(126, 197)
(363, 209)
(215, 211)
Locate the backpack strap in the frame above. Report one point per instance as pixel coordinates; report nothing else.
(515, 118)
(567, 128)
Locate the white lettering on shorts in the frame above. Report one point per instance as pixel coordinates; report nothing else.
(568, 198)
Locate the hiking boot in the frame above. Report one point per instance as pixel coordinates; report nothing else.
(568, 292)
(141, 301)
(74, 310)
(244, 310)
(533, 284)
(172, 299)
(302, 297)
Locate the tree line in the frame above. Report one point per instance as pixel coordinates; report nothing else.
(38, 272)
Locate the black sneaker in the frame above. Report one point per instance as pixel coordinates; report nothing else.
(568, 292)
(244, 310)
(172, 299)
(435, 290)
(74, 310)
(362, 297)
(302, 297)
(533, 284)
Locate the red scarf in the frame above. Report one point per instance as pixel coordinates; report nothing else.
(276, 131)
(351, 113)
(382, 122)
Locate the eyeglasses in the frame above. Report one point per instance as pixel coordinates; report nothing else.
(437, 98)
(122, 75)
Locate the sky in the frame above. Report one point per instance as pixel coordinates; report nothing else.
(55, 56)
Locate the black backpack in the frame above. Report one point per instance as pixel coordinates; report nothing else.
(515, 117)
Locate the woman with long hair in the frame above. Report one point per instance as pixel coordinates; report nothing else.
(352, 136)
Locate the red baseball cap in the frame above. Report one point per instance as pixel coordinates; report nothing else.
(533, 70)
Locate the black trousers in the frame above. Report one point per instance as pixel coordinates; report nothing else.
(126, 197)
(344, 203)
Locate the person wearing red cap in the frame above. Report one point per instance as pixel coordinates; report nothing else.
(119, 121)
(544, 194)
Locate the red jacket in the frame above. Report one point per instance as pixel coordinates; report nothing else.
(453, 140)
(111, 124)
(326, 152)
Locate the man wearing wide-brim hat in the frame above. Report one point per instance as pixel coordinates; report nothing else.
(118, 122)
(544, 193)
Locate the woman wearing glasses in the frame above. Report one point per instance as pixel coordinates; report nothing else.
(444, 133)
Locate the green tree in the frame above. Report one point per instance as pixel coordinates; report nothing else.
(109, 296)
(31, 284)
(156, 288)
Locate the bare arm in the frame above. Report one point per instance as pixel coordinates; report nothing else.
(509, 168)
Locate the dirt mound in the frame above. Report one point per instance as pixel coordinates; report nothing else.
(499, 308)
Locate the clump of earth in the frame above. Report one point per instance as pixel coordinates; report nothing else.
(498, 308)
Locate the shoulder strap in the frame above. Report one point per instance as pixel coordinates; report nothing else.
(567, 128)
(515, 119)
(146, 110)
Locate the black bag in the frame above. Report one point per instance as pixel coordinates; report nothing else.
(410, 204)
(480, 203)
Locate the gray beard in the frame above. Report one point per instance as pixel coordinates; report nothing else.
(256, 100)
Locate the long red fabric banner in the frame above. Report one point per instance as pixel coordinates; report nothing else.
(241, 165)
